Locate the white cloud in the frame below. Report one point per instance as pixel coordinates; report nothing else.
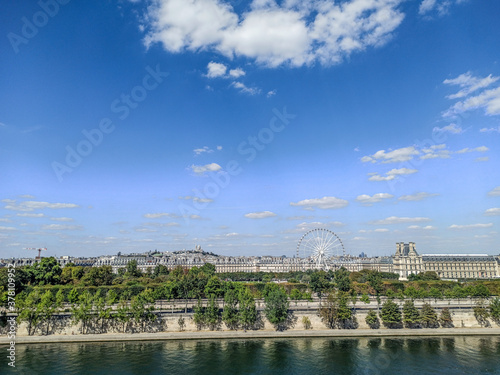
(366, 199)
(399, 220)
(30, 215)
(271, 93)
(219, 148)
(416, 197)
(61, 227)
(394, 156)
(197, 199)
(469, 84)
(492, 212)
(244, 89)
(401, 171)
(293, 33)
(471, 226)
(490, 130)
(160, 215)
(477, 149)
(427, 227)
(34, 205)
(7, 229)
(202, 169)
(61, 219)
(204, 149)
(381, 230)
(377, 177)
(215, 70)
(483, 158)
(260, 215)
(440, 6)
(451, 128)
(322, 203)
(236, 73)
(495, 192)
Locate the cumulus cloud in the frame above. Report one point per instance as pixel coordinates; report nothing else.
(260, 215)
(322, 203)
(471, 226)
(369, 200)
(12, 204)
(490, 130)
(30, 215)
(486, 99)
(160, 215)
(440, 6)
(477, 149)
(202, 169)
(417, 196)
(215, 70)
(427, 227)
(495, 192)
(492, 212)
(66, 219)
(204, 149)
(236, 73)
(293, 33)
(399, 220)
(61, 227)
(394, 156)
(271, 93)
(391, 175)
(245, 89)
(451, 128)
(7, 229)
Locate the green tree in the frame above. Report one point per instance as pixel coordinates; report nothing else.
(276, 309)
(73, 296)
(47, 271)
(342, 281)
(480, 290)
(295, 295)
(428, 317)
(182, 323)
(411, 316)
(208, 269)
(122, 313)
(481, 313)
(47, 308)
(336, 313)
(98, 276)
(212, 314)
(102, 311)
(248, 312)
(495, 309)
(364, 298)
(435, 293)
(445, 318)
(390, 314)
(372, 320)
(319, 283)
(374, 279)
(29, 310)
(82, 310)
(132, 270)
(213, 287)
(199, 315)
(111, 297)
(230, 313)
(160, 270)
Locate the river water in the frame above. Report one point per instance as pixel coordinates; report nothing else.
(387, 356)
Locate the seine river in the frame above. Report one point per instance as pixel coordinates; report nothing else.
(401, 356)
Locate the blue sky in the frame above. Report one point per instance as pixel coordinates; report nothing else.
(239, 125)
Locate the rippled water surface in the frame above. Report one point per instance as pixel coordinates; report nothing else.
(459, 355)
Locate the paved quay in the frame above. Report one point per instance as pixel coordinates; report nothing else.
(214, 335)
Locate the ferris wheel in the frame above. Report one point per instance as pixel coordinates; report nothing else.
(318, 245)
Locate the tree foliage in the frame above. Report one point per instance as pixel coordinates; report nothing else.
(390, 314)
(277, 305)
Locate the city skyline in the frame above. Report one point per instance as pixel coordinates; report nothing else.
(238, 126)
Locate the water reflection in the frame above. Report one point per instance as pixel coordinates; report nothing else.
(387, 356)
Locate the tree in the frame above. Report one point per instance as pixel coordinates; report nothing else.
(103, 312)
(295, 295)
(390, 314)
(341, 278)
(306, 322)
(480, 290)
(47, 308)
(111, 297)
(213, 287)
(364, 298)
(160, 270)
(248, 312)
(73, 296)
(428, 317)
(212, 314)
(372, 320)
(374, 279)
(481, 313)
(411, 317)
(336, 313)
(82, 310)
(445, 318)
(29, 310)
(199, 315)
(98, 276)
(495, 309)
(277, 305)
(122, 313)
(435, 293)
(208, 269)
(132, 270)
(230, 313)
(47, 271)
(319, 283)
(182, 323)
